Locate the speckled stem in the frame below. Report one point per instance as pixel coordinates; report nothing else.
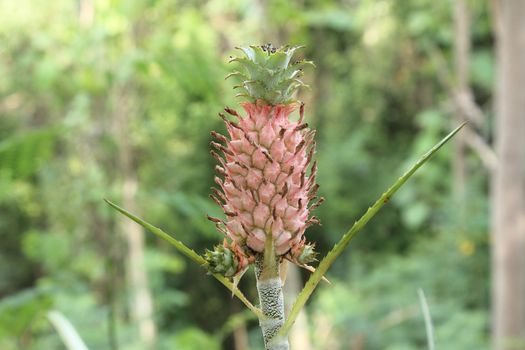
(270, 290)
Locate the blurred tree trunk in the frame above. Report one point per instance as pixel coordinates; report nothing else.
(89, 147)
(240, 338)
(462, 58)
(299, 336)
(141, 303)
(508, 183)
(86, 12)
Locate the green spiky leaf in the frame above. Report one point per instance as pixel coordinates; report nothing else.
(340, 246)
(188, 252)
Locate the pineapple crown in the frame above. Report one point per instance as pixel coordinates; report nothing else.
(268, 74)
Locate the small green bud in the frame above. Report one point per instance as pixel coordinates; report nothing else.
(307, 254)
(222, 261)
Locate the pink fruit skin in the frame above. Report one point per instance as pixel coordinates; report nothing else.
(265, 187)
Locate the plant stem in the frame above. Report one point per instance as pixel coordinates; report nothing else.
(270, 290)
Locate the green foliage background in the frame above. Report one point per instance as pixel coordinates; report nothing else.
(380, 97)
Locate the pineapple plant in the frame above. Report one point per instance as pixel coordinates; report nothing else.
(266, 187)
(266, 179)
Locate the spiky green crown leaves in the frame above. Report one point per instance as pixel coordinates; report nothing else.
(268, 74)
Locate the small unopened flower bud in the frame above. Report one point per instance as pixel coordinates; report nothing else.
(303, 253)
(308, 254)
(222, 261)
(227, 259)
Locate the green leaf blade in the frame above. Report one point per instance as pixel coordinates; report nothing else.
(66, 331)
(181, 247)
(189, 253)
(340, 246)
